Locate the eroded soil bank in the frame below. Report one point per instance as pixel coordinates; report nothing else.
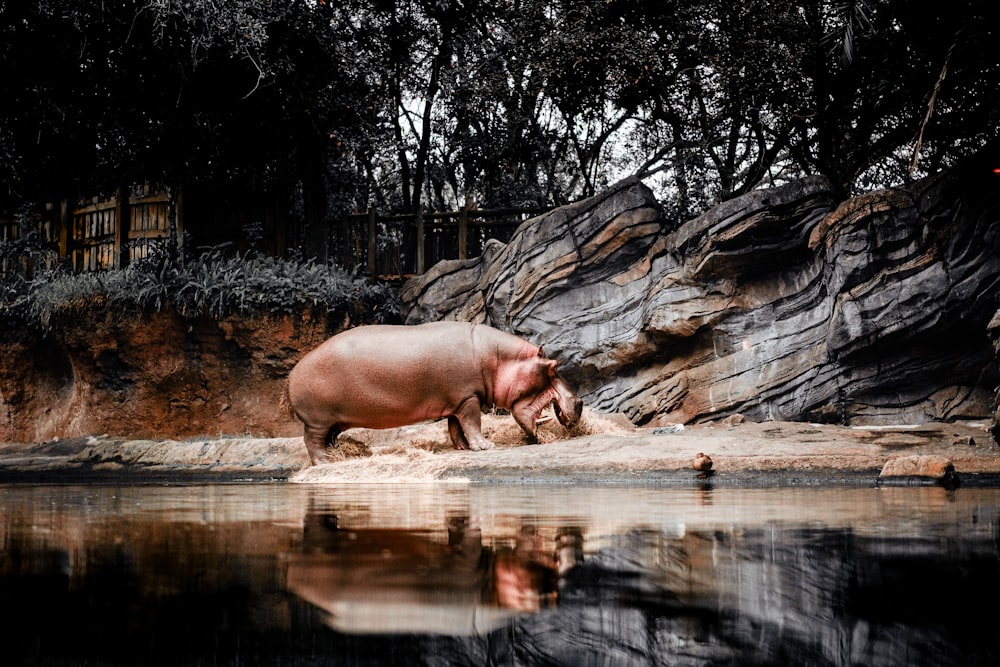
(604, 449)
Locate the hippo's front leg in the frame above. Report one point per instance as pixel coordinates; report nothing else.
(465, 426)
(526, 416)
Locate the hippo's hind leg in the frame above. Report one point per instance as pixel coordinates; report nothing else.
(465, 426)
(317, 439)
(457, 436)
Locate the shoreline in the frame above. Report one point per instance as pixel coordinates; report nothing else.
(748, 454)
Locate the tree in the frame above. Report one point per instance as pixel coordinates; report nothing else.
(408, 103)
(244, 95)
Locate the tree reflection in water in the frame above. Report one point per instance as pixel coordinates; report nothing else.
(272, 574)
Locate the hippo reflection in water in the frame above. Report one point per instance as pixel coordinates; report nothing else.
(404, 581)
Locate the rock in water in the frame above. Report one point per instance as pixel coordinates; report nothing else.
(918, 469)
(783, 304)
(701, 462)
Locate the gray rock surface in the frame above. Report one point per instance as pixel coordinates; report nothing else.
(784, 304)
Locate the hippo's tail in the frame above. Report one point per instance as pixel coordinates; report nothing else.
(285, 402)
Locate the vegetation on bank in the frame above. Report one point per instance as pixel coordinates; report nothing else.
(37, 294)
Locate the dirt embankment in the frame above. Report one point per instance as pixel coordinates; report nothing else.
(144, 377)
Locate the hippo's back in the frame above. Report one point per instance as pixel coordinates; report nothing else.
(387, 375)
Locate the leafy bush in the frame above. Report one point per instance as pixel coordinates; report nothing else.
(211, 284)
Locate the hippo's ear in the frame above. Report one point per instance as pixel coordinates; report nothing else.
(541, 352)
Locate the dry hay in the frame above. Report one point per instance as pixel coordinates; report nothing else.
(503, 430)
(432, 437)
(412, 453)
(413, 466)
(349, 446)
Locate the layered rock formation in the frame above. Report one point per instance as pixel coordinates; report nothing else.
(782, 304)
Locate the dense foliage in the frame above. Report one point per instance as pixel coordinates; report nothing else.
(212, 284)
(342, 105)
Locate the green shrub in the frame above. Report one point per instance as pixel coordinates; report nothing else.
(210, 284)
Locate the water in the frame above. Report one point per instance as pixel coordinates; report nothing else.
(440, 574)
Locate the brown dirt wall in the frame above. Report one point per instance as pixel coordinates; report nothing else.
(160, 375)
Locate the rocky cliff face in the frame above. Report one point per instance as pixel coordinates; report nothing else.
(783, 304)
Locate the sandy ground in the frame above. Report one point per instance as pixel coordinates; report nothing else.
(602, 449)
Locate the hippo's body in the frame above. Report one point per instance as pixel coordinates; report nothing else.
(384, 376)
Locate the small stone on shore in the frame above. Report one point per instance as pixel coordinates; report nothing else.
(932, 467)
(701, 462)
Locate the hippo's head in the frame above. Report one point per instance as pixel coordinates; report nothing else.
(568, 406)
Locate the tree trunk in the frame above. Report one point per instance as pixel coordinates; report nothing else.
(312, 165)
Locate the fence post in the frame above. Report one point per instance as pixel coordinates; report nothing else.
(342, 251)
(65, 222)
(178, 230)
(420, 240)
(463, 230)
(122, 226)
(372, 231)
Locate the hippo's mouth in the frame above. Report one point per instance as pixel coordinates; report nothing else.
(570, 418)
(566, 404)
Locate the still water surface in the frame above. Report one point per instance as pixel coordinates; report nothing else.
(441, 574)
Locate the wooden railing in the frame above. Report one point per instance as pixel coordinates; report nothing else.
(16, 259)
(97, 241)
(382, 245)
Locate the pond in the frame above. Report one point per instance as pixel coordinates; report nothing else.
(458, 574)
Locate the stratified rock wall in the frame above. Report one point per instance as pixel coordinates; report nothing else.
(781, 304)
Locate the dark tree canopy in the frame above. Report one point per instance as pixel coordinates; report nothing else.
(400, 104)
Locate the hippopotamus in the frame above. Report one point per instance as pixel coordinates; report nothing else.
(385, 376)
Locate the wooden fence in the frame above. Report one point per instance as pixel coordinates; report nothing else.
(389, 246)
(398, 245)
(96, 240)
(45, 225)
